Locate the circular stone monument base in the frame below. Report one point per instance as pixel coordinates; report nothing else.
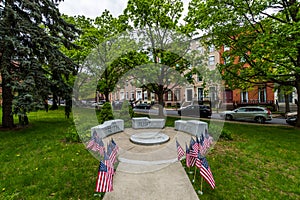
(149, 138)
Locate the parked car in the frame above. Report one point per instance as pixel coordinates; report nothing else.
(143, 106)
(195, 111)
(256, 113)
(291, 118)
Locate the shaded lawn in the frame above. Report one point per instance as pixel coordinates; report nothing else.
(262, 162)
(37, 164)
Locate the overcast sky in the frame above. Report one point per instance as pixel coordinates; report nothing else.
(94, 8)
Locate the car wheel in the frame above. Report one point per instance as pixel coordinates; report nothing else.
(260, 120)
(228, 117)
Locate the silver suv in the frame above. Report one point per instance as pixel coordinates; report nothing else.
(256, 113)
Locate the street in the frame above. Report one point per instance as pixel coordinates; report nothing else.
(275, 120)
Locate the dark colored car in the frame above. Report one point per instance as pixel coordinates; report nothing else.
(291, 118)
(195, 111)
(143, 106)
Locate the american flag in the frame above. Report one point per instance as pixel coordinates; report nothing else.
(198, 161)
(115, 145)
(111, 153)
(187, 156)
(180, 151)
(109, 164)
(202, 147)
(100, 146)
(114, 149)
(194, 148)
(90, 144)
(104, 181)
(206, 173)
(208, 139)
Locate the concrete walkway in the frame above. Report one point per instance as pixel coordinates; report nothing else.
(150, 172)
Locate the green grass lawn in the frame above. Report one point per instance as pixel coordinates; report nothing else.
(262, 162)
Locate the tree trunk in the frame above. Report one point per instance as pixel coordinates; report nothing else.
(106, 94)
(7, 97)
(160, 97)
(54, 100)
(287, 103)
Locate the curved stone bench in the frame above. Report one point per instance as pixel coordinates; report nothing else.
(108, 128)
(192, 127)
(145, 122)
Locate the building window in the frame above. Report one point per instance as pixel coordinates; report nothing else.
(189, 95)
(262, 94)
(200, 94)
(177, 95)
(139, 95)
(212, 92)
(132, 95)
(122, 96)
(244, 96)
(127, 95)
(169, 95)
(145, 95)
(211, 60)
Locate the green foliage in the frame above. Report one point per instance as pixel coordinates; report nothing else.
(226, 134)
(71, 134)
(220, 131)
(126, 113)
(106, 113)
(31, 61)
(160, 36)
(264, 45)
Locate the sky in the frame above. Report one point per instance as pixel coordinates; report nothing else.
(94, 8)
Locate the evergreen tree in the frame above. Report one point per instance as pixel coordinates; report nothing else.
(31, 35)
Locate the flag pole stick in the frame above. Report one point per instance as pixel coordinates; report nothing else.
(195, 175)
(201, 185)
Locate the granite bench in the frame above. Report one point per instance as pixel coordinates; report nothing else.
(145, 122)
(108, 128)
(192, 127)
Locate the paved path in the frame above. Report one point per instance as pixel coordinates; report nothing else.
(150, 172)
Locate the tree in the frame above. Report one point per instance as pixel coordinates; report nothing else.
(160, 36)
(106, 53)
(85, 42)
(264, 35)
(31, 34)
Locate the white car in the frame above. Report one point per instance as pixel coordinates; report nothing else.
(256, 113)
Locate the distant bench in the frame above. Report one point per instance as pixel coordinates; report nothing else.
(192, 127)
(145, 122)
(108, 128)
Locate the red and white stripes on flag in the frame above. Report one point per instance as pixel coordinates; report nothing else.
(205, 172)
(104, 181)
(180, 151)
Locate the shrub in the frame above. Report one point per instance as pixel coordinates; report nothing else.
(215, 130)
(126, 113)
(106, 113)
(226, 134)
